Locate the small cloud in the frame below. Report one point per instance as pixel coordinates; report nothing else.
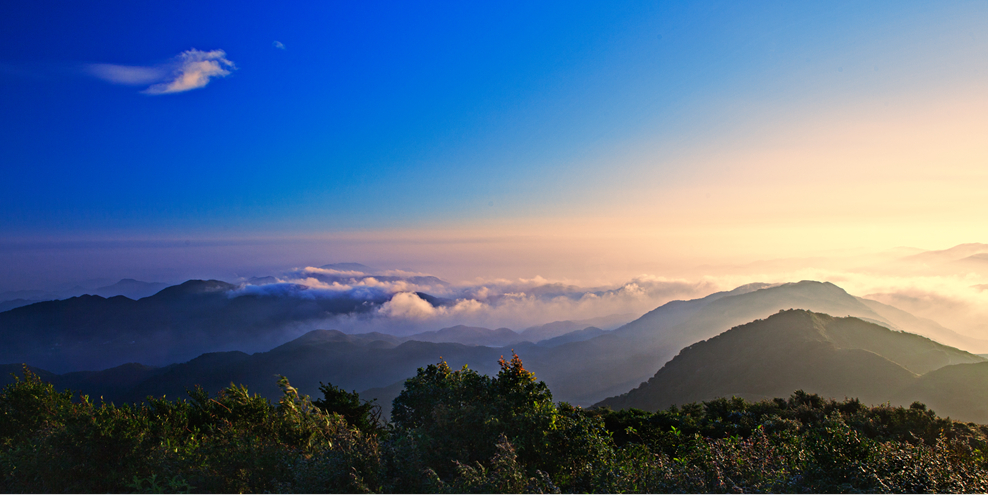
(194, 71)
(191, 69)
(279, 45)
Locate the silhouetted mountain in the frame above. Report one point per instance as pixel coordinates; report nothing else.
(184, 321)
(586, 372)
(900, 320)
(15, 303)
(128, 287)
(384, 397)
(574, 336)
(959, 391)
(470, 336)
(797, 349)
(547, 331)
(176, 324)
(351, 362)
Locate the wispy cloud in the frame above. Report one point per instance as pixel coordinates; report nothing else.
(191, 69)
(279, 45)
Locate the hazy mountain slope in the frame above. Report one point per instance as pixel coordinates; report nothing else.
(201, 316)
(384, 396)
(15, 303)
(176, 324)
(959, 391)
(836, 357)
(353, 364)
(586, 372)
(574, 336)
(130, 288)
(557, 328)
(470, 336)
(929, 328)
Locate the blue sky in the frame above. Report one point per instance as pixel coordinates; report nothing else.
(396, 116)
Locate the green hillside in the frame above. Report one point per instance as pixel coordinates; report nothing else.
(798, 349)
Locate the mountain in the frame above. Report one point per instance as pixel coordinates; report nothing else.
(175, 324)
(352, 362)
(798, 349)
(470, 336)
(954, 254)
(558, 328)
(182, 322)
(898, 319)
(15, 303)
(587, 372)
(959, 391)
(574, 336)
(130, 288)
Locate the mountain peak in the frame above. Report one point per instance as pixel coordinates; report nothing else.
(194, 287)
(790, 350)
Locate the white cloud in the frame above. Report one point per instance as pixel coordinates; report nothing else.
(194, 71)
(191, 69)
(407, 305)
(279, 45)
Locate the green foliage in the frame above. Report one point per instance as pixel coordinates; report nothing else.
(462, 432)
(365, 415)
(458, 416)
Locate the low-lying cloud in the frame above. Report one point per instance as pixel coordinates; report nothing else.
(414, 302)
(191, 69)
(406, 302)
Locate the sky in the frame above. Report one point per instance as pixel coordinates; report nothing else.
(582, 141)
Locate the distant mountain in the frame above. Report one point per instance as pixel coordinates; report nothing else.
(587, 372)
(353, 362)
(557, 328)
(956, 253)
(126, 287)
(470, 336)
(959, 391)
(574, 336)
(384, 397)
(175, 324)
(797, 349)
(130, 288)
(15, 303)
(182, 322)
(898, 319)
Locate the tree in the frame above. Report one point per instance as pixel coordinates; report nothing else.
(458, 417)
(364, 415)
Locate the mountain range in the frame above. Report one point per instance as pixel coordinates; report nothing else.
(818, 353)
(583, 366)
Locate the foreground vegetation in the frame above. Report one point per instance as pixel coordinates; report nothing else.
(459, 431)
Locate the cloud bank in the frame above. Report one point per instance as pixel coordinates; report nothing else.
(407, 302)
(191, 69)
(949, 287)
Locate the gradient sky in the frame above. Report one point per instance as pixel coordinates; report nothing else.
(564, 138)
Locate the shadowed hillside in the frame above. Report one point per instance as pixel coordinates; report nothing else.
(176, 324)
(586, 372)
(835, 357)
